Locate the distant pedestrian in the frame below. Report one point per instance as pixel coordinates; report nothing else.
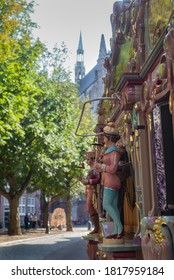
(26, 221)
(31, 220)
(89, 225)
(34, 220)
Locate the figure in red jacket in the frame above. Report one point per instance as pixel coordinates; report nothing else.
(91, 181)
(110, 179)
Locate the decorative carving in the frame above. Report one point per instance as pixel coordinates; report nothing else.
(100, 110)
(159, 160)
(128, 98)
(156, 21)
(168, 47)
(137, 106)
(127, 117)
(101, 116)
(126, 21)
(169, 43)
(131, 142)
(153, 90)
(101, 119)
(135, 10)
(109, 78)
(158, 86)
(145, 95)
(115, 17)
(156, 242)
(136, 140)
(117, 36)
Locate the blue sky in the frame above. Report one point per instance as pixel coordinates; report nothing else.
(62, 20)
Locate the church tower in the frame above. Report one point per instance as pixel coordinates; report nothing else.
(79, 66)
(102, 50)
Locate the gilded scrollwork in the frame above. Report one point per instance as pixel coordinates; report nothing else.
(137, 106)
(136, 139)
(157, 237)
(131, 141)
(149, 121)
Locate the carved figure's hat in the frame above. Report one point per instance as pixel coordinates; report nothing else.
(110, 129)
(90, 154)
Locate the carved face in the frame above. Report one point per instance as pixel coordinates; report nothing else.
(106, 141)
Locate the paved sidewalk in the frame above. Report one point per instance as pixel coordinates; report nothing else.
(33, 233)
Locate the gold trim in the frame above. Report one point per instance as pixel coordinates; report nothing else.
(139, 219)
(170, 101)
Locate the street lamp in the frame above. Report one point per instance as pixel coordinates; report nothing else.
(48, 199)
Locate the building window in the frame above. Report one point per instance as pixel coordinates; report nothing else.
(6, 212)
(6, 203)
(22, 200)
(22, 210)
(31, 205)
(22, 205)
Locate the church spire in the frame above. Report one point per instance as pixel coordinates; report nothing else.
(79, 66)
(80, 47)
(102, 50)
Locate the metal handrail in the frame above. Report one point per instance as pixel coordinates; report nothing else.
(89, 101)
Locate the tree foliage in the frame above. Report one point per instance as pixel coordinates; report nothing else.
(39, 108)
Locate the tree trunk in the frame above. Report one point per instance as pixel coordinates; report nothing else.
(14, 217)
(45, 217)
(69, 213)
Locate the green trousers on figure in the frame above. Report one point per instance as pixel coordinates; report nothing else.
(110, 204)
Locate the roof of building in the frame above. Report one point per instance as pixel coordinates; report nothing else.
(92, 76)
(88, 80)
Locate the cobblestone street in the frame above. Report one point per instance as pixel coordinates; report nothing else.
(37, 245)
(31, 233)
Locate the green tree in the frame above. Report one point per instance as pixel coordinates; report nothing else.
(75, 148)
(60, 168)
(18, 56)
(38, 113)
(63, 162)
